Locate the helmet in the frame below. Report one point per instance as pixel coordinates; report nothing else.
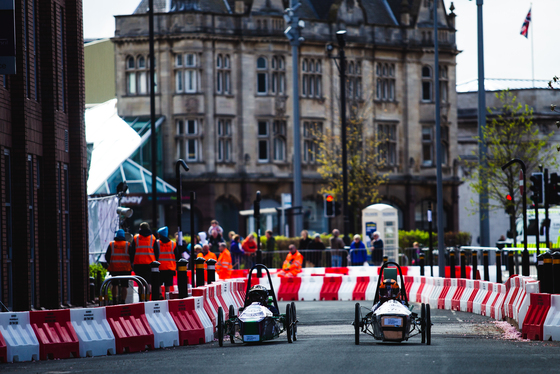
(388, 290)
(258, 293)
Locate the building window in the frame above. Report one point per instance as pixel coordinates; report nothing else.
(278, 75)
(131, 75)
(263, 139)
(262, 76)
(224, 140)
(310, 146)
(385, 90)
(444, 145)
(188, 139)
(354, 76)
(137, 75)
(427, 146)
(223, 74)
(311, 83)
(443, 84)
(387, 136)
(186, 73)
(279, 140)
(427, 84)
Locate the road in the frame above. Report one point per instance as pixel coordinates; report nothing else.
(461, 343)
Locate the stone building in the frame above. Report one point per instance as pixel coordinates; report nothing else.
(224, 89)
(43, 220)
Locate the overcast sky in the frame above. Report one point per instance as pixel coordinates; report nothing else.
(507, 54)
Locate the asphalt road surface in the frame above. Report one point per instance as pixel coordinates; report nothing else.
(461, 343)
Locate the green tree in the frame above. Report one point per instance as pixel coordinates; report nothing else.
(511, 133)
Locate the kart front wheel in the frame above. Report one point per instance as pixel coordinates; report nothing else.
(231, 311)
(428, 325)
(220, 326)
(288, 322)
(294, 319)
(423, 322)
(357, 320)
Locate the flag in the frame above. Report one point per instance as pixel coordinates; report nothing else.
(525, 27)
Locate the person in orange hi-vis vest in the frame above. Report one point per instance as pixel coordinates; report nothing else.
(292, 265)
(119, 259)
(168, 255)
(207, 254)
(224, 265)
(145, 250)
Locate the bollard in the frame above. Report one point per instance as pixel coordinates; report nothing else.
(525, 263)
(452, 263)
(92, 289)
(199, 264)
(474, 264)
(98, 282)
(498, 266)
(463, 264)
(421, 260)
(385, 259)
(211, 270)
(156, 281)
(182, 278)
(556, 272)
(540, 272)
(546, 284)
(485, 264)
(511, 263)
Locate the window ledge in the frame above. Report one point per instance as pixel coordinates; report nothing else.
(270, 95)
(381, 101)
(229, 95)
(139, 95)
(189, 93)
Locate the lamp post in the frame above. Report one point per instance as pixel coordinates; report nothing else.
(293, 33)
(153, 115)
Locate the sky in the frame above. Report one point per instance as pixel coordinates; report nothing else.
(507, 54)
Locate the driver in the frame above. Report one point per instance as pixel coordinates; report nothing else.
(388, 290)
(259, 294)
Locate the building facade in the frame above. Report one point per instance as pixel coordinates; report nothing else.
(224, 86)
(43, 161)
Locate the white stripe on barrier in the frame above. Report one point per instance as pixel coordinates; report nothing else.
(551, 328)
(427, 291)
(227, 295)
(519, 283)
(486, 309)
(310, 288)
(530, 287)
(434, 294)
(94, 333)
(414, 288)
(450, 293)
(372, 287)
(166, 333)
(206, 322)
(347, 286)
(22, 344)
(483, 289)
(499, 304)
(469, 289)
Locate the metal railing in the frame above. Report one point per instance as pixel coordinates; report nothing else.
(142, 286)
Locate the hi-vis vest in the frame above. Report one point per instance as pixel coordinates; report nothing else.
(144, 250)
(224, 265)
(120, 259)
(167, 255)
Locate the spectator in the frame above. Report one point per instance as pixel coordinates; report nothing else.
(206, 254)
(416, 250)
(358, 251)
(215, 226)
(249, 245)
(231, 235)
(305, 240)
(377, 251)
(119, 259)
(269, 250)
(336, 245)
(317, 246)
(236, 251)
(145, 250)
(292, 264)
(224, 266)
(214, 241)
(168, 255)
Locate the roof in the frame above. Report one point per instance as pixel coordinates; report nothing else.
(164, 6)
(493, 84)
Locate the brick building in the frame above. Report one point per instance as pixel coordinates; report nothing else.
(43, 171)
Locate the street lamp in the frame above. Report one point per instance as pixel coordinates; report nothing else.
(293, 33)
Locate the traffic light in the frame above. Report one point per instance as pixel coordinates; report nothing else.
(554, 189)
(510, 205)
(328, 201)
(537, 188)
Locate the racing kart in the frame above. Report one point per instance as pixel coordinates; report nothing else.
(258, 321)
(392, 320)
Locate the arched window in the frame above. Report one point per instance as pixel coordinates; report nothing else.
(186, 73)
(385, 90)
(223, 74)
(311, 85)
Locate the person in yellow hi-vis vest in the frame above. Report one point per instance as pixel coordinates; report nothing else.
(224, 265)
(292, 265)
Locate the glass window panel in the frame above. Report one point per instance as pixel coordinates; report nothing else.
(426, 72)
(318, 86)
(263, 150)
(180, 127)
(263, 128)
(261, 82)
(190, 59)
(226, 62)
(427, 91)
(130, 63)
(191, 127)
(179, 80)
(219, 81)
(179, 60)
(141, 62)
(131, 83)
(219, 61)
(261, 63)
(227, 83)
(191, 149)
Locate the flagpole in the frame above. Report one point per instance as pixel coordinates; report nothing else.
(531, 25)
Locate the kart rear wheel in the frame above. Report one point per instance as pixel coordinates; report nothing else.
(294, 319)
(220, 324)
(288, 322)
(428, 326)
(423, 322)
(357, 320)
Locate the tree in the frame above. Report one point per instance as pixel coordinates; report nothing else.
(364, 161)
(510, 134)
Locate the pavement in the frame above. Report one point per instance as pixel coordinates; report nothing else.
(461, 343)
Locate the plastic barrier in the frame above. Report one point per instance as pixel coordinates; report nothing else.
(551, 327)
(191, 329)
(486, 307)
(330, 288)
(473, 295)
(456, 299)
(343, 271)
(55, 333)
(206, 322)
(165, 331)
(221, 301)
(536, 316)
(94, 333)
(372, 287)
(359, 291)
(408, 281)
(413, 292)
(228, 296)
(529, 287)
(3, 350)
(21, 342)
(427, 291)
(232, 289)
(346, 287)
(310, 288)
(433, 297)
(510, 296)
(211, 312)
(498, 305)
(289, 288)
(443, 294)
(404, 269)
(131, 328)
(517, 291)
(482, 295)
(420, 290)
(450, 293)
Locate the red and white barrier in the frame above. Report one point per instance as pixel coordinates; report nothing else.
(346, 290)
(450, 293)
(498, 305)
(21, 342)
(466, 296)
(55, 333)
(311, 288)
(484, 291)
(94, 333)
(456, 299)
(165, 331)
(203, 317)
(551, 327)
(130, 327)
(331, 286)
(529, 287)
(433, 297)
